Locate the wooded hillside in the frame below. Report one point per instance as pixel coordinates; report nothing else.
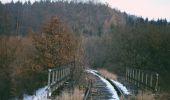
(93, 33)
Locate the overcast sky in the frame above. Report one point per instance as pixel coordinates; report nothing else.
(152, 9)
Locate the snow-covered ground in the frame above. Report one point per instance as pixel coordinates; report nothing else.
(121, 86)
(41, 94)
(109, 86)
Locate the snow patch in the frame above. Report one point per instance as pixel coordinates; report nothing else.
(41, 94)
(121, 86)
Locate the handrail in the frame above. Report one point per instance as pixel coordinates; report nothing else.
(57, 77)
(142, 78)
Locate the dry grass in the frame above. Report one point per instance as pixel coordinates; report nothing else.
(143, 96)
(163, 96)
(107, 74)
(76, 94)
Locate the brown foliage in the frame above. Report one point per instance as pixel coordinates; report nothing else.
(55, 45)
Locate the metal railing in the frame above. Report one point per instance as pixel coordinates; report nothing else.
(142, 78)
(57, 77)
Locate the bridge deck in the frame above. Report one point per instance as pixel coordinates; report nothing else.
(100, 90)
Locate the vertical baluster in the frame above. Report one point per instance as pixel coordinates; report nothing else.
(142, 78)
(62, 73)
(53, 76)
(156, 86)
(67, 72)
(133, 75)
(146, 81)
(151, 79)
(139, 78)
(49, 77)
(56, 75)
(58, 78)
(130, 75)
(49, 83)
(136, 75)
(126, 74)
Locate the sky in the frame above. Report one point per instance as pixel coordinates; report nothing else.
(152, 9)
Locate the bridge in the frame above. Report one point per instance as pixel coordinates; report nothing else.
(58, 76)
(99, 87)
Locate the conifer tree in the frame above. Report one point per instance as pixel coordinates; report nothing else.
(55, 44)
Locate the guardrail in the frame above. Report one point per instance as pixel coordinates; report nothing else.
(57, 77)
(142, 78)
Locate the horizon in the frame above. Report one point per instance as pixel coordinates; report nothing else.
(153, 9)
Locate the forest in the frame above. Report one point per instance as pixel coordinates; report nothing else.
(40, 35)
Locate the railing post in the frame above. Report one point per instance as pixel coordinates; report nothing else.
(136, 76)
(139, 78)
(49, 77)
(151, 80)
(126, 74)
(156, 86)
(142, 79)
(56, 75)
(53, 81)
(133, 75)
(146, 81)
(49, 83)
(130, 75)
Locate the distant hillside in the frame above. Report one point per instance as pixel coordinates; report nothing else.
(82, 18)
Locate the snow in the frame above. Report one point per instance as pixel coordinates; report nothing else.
(121, 86)
(41, 94)
(109, 86)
